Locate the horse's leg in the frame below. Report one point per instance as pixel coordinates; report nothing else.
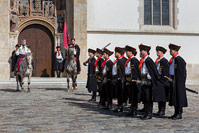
(22, 82)
(75, 81)
(17, 80)
(29, 77)
(68, 87)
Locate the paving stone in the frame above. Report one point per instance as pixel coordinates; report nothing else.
(52, 109)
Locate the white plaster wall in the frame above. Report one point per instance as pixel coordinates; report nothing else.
(188, 15)
(113, 14)
(189, 49)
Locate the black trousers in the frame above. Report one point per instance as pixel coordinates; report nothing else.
(132, 95)
(120, 92)
(148, 101)
(161, 106)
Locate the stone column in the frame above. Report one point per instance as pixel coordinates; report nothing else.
(80, 32)
(4, 36)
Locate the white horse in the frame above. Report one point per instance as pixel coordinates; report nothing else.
(70, 69)
(25, 70)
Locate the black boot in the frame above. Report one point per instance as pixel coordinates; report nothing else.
(118, 109)
(132, 113)
(161, 107)
(178, 113)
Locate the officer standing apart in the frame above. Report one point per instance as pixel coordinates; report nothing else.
(91, 82)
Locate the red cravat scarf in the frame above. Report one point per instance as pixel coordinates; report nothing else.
(104, 62)
(141, 61)
(58, 53)
(170, 61)
(118, 59)
(156, 62)
(97, 61)
(128, 60)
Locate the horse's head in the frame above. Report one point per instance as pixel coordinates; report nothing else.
(29, 59)
(70, 51)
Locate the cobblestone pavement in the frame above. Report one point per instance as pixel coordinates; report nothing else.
(52, 109)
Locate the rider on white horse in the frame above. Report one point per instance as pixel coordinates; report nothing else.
(21, 52)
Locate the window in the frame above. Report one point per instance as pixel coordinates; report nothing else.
(156, 12)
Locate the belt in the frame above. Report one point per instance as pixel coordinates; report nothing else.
(128, 77)
(143, 76)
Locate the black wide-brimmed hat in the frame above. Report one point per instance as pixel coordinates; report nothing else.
(17, 45)
(174, 47)
(91, 51)
(119, 50)
(144, 47)
(107, 51)
(58, 47)
(160, 48)
(99, 51)
(131, 49)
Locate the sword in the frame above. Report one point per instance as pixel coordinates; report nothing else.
(188, 89)
(142, 82)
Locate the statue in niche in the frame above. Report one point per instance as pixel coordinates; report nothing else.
(20, 9)
(37, 4)
(13, 4)
(52, 9)
(46, 10)
(26, 9)
(13, 23)
(60, 25)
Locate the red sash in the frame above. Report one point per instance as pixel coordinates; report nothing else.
(128, 60)
(118, 59)
(170, 61)
(156, 62)
(104, 62)
(97, 61)
(141, 61)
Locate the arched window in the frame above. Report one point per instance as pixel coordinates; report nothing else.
(156, 12)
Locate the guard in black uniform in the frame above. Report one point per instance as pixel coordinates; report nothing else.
(178, 75)
(91, 82)
(107, 66)
(118, 73)
(149, 80)
(132, 73)
(98, 73)
(163, 70)
(58, 58)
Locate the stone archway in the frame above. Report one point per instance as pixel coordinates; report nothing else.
(41, 41)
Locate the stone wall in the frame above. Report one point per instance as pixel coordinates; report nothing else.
(80, 32)
(4, 35)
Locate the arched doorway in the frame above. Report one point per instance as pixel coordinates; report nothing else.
(41, 41)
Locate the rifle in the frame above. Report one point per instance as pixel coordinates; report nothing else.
(188, 89)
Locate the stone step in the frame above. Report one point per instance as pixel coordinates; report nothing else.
(42, 81)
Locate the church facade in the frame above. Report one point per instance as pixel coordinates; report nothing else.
(95, 23)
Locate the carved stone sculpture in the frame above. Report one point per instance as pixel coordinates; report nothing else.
(51, 9)
(37, 4)
(13, 24)
(46, 10)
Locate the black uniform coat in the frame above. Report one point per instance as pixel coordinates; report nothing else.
(178, 91)
(99, 74)
(135, 74)
(14, 60)
(91, 81)
(165, 86)
(77, 48)
(118, 85)
(106, 89)
(158, 93)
